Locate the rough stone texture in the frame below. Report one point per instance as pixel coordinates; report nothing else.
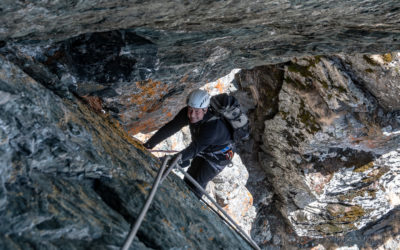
(231, 193)
(72, 179)
(334, 146)
(229, 187)
(136, 56)
(328, 119)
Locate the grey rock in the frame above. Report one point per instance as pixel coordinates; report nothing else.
(325, 128)
(71, 178)
(326, 116)
(108, 47)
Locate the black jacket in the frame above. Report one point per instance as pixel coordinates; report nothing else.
(208, 135)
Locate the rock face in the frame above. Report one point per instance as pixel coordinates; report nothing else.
(331, 150)
(136, 55)
(71, 179)
(323, 162)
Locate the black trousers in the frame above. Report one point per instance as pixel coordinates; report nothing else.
(202, 171)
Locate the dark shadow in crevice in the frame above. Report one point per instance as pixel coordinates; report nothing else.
(112, 199)
(100, 59)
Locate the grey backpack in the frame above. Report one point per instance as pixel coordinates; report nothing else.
(228, 108)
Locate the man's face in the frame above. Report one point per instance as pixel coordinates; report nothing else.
(195, 114)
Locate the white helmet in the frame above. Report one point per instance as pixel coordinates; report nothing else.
(198, 99)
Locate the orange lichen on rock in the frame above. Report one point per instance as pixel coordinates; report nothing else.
(220, 86)
(184, 78)
(247, 204)
(149, 93)
(94, 102)
(142, 126)
(230, 213)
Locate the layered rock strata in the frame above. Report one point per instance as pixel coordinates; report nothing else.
(331, 148)
(72, 179)
(136, 55)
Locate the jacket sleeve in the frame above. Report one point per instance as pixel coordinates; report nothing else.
(179, 121)
(209, 135)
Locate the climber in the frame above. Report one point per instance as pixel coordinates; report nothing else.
(211, 147)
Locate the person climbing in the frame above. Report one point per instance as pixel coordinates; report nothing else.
(211, 147)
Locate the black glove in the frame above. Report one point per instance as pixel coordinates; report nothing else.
(147, 145)
(177, 157)
(171, 159)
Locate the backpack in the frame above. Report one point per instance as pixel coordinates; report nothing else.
(228, 108)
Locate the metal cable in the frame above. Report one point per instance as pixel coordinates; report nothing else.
(163, 151)
(146, 206)
(236, 227)
(161, 177)
(169, 169)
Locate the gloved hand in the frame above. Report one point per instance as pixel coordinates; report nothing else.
(147, 145)
(176, 157)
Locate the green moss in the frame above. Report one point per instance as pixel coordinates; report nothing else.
(340, 89)
(350, 195)
(369, 70)
(359, 160)
(369, 60)
(387, 57)
(297, 84)
(355, 213)
(377, 176)
(284, 114)
(325, 85)
(308, 119)
(329, 228)
(313, 61)
(364, 168)
(302, 70)
(332, 228)
(344, 214)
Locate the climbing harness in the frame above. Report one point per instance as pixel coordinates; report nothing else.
(223, 157)
(159, 179)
